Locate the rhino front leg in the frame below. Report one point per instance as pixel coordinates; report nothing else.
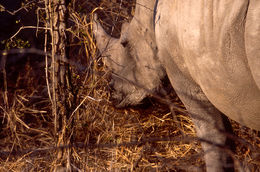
(212, 128)
(209, 122)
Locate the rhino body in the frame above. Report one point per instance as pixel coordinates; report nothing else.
(210, 51)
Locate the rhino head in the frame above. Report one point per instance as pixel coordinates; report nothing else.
(132, 58)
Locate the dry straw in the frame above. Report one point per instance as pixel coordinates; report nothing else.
(102, 138)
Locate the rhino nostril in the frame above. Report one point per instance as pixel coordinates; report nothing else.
(111, 84)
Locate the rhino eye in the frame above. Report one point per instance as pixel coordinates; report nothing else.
(124, 43)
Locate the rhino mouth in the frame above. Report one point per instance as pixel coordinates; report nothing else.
(128, 100)
(124, 94)
(117, 98)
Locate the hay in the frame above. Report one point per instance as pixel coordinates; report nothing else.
(103, 138)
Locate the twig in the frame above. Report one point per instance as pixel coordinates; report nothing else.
(28, 27)
(143, 141)
(16, 11)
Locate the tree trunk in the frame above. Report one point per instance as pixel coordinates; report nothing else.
(56, 14)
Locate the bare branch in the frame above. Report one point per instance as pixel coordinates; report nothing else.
(16, 11)
(27, 27)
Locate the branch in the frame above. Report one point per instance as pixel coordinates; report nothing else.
(15, 11)
(27, 27)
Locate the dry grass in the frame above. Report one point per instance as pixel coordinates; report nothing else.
(27, 124)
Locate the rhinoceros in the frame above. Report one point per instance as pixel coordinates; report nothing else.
(209, 50)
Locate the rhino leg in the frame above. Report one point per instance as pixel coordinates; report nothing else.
(210, 126)
(209, 122)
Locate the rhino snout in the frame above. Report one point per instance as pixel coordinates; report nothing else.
(111, 84)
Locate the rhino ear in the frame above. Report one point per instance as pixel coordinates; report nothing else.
(102, 38)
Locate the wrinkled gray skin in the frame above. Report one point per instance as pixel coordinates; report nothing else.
(210, 51)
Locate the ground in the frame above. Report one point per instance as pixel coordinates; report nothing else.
(148, 137)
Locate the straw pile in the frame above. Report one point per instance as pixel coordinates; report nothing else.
(103, 138)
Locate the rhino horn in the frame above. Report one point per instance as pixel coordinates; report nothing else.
(102, 38)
